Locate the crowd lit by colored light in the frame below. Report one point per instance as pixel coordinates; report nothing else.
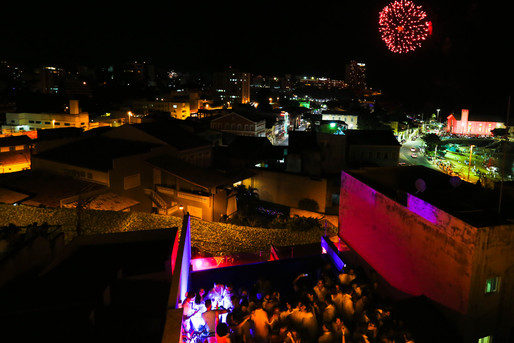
(403, 26)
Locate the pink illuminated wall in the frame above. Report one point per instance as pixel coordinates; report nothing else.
(416, 247)
(469, 127)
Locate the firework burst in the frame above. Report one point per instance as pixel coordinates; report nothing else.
(403, 26)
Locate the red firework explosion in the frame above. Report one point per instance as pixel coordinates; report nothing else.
(404, 26)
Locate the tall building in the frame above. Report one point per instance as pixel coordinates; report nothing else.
(232, 86)
(50, 80)
(356, 75)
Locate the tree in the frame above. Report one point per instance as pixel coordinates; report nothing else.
(431, 140)
(499, 132)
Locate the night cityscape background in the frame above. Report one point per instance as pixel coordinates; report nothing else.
(469, 45)
(151, 150)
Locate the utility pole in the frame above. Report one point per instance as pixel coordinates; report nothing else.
(504, 158)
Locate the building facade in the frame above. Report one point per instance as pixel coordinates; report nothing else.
(176, 109)
(22, 122)
(464, 126)
(232, 86)
(240, 125)
(15, 153)
(350, 119)
(356, 75)
(435, 239)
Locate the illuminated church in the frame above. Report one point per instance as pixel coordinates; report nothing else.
(464, 126)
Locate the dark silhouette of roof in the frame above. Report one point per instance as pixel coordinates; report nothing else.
(172, 134)
(96, 152)
(45, 188)
(110, 287)
(15, 140)
(196, 175)
(371, 137)
(302, 140)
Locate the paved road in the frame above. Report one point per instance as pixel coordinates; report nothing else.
(406, 154)
(456, 165)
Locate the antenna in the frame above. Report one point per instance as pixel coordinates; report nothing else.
(421, 185)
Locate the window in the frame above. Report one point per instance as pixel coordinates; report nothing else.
(492, 285)
(487, 339)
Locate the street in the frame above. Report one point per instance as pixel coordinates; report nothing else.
(406, 154)
(452, 164)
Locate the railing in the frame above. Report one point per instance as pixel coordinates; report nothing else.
(156, 198)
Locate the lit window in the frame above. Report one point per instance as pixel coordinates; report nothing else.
(492, 285)
(487, 339)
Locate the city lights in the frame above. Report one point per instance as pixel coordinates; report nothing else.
(403, 26)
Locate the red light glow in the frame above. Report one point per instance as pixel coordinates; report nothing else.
(403, 26)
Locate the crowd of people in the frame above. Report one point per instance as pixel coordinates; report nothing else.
(340, 307)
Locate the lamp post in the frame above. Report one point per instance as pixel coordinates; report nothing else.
(129, 115)
(470, 156)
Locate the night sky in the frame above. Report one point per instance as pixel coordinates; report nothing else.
(465, 63)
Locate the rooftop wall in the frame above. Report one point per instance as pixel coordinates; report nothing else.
(416, 248)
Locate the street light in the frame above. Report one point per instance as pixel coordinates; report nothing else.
(129, 115)
(470, 156)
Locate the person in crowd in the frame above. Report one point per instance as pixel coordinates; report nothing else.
(337, 298)
(240, 324)
(284, 315)
(222, 333)
(216, 294)
(274, 321)
(270, 302)
(340, 330)
(408, 337)
(348, 308)
(198, 307)
(201, 293)
(351, 307)
(243, 295)
(329, 312)
(346, 278)
(293, 336)
(300, 285)
(327, 336)
(321, 291)
(188, 311)
(226, 301)
(311, 301)
(262, 324)
(309, 324)
(210, 317)
(296, 316)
